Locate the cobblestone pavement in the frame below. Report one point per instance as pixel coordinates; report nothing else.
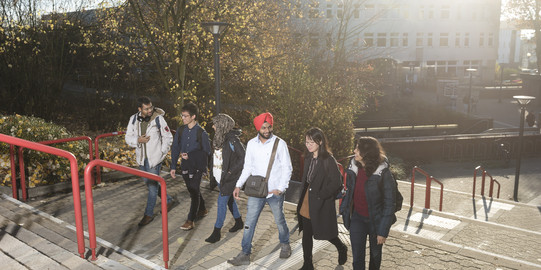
(471, 238)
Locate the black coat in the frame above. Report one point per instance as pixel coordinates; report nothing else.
(233, 162)
(380, 197)
(326, 184)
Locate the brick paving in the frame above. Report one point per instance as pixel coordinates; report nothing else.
(471, 241)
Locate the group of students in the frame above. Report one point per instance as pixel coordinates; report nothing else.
(368, 202)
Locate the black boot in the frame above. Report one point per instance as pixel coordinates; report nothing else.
(307, 265)
(342, 254)
(215, 236)
(238, 225)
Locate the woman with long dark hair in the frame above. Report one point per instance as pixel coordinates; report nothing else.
(316, 209)
(369, 204)
(228, 160)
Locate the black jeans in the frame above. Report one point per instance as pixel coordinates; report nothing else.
(308, 242)
(193, 184)
(360, 228)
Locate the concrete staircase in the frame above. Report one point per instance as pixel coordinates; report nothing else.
(30, 239)
(502, 232)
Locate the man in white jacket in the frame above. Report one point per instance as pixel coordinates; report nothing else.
(149, 134)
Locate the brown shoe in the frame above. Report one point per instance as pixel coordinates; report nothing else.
(146, 220)
(202, 213)
(188, 225)
(171, 205)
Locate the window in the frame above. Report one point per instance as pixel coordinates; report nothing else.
(421, 13)
(405, 39)
(431, 12)
(329, 11)
(340, 11)
(444, 39)
(314, 41)
(314, 10)
(481, 39)
(467, 40)
(419, 41)
(369, 39)
(457, 40)
(429, 40)
(490, 40)
(382, 40)
(356, 11)
(445, 12)
(394, 39)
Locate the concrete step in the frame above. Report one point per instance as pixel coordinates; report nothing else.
(56, 239)
(480, 226)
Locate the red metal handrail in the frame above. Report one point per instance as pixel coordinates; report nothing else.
(301, 160)
(492, 181)
(13, 172)
(74, 180)
(428, 187)
(21, 157)
(90, 202)
(96, 148)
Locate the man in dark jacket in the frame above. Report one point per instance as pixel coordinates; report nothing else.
(194, 163)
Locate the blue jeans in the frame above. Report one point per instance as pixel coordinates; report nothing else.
(153, 188)
(223, 203)
(255, 206)
(360, 228)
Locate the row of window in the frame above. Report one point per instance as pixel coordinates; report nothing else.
(424, 39)
(423, 12)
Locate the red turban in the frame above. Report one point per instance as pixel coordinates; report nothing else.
(262, 118)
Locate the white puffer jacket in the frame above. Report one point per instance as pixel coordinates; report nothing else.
(160, 140)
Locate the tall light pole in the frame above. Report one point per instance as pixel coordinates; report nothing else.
(501, 82)
(471, 71)
(216, 28)
(522, 101)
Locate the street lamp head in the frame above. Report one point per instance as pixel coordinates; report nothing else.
(471, 69)
(216, 28)
(523, 100)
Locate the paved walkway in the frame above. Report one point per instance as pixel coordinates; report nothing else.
(470, 234)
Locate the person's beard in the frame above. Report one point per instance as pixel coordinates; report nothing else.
(265, 137)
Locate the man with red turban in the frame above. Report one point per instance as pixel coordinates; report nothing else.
(256, 162)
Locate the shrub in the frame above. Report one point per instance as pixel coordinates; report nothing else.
(41, 168)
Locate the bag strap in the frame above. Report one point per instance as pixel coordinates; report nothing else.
(271, 161)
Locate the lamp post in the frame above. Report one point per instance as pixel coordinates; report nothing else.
(501, 83)
(471, 71)
(522, 101)
(216, 28)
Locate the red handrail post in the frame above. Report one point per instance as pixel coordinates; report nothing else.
(90, 202)
(21, 157)
(74, 180)
(412, 185)
(427, 191)
(483, 183)
(13, 172)
(22, 174)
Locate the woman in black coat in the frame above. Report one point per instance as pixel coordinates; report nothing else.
(227, 163)
(316, 209)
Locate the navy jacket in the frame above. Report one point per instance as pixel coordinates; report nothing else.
(380, 197)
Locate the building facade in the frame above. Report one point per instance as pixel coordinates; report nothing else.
(426, 39)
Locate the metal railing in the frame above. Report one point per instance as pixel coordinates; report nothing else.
(428, 187)
(97, 149)
(492, 181)
(90, 202)
(21, 158)
(13, 172)
(74, 180)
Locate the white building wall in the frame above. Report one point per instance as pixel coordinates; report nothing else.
(471, 29)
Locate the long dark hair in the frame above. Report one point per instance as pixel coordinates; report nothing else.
(372, 152)
(317, 135)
